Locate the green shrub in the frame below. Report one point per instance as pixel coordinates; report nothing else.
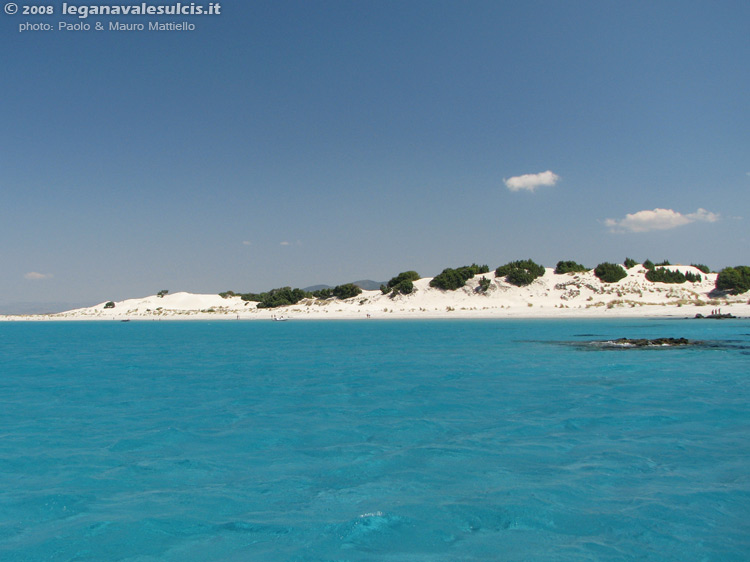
(346, 291)
(451, 279)
(385, 289)
(325, 293)
(448, 280)
(110, 304)
(662, 275)
(569, 267)
(735, 280)
(410, 275)
(484, 284)
(161, 293)
(701, 267)
(520, 273)
(405, 287)
(610, 272)
(663, 263)
(283, 296)
(630, 263)
(648, 264)
(227, 294)
(520, 277)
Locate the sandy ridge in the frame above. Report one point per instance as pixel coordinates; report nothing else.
(576, 295)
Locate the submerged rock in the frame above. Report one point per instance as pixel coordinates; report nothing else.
(657, 342)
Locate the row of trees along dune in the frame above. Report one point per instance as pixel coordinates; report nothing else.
(285, 296)
(733, 280)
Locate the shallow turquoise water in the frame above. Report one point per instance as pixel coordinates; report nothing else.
(368, 440)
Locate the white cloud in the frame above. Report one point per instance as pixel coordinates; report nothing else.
(34, 276)
(658, 219)
(285, 243)
(247, 243)
(530, 182)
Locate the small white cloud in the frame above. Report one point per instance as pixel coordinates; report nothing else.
(658, 219)
(285, 243)
(530, 182)
(34, 276)
(704, 216)
(247, 243)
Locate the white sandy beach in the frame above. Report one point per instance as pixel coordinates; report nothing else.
(569, 295)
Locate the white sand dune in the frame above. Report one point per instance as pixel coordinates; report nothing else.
(566, 295)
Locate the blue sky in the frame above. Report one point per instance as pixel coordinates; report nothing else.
(297, 143)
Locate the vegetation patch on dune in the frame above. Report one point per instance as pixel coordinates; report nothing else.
(735, 280)
(610, 272)
(520, 273)
(569, 267)
(451, 279)
(403, 283)
(664, 275)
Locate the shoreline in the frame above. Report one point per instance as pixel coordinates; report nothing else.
(335, 318)
(567, 295)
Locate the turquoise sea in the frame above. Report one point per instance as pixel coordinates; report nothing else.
(373, 440)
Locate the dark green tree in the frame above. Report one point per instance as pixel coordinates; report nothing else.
(346, 291)
(569, 267)
(648, 264)
(325, 293)
(610, 272)
(451, 279)
(283, 296)
(477, 269)
(410, 275)
(735, 280)
(521, 272)
(630, 263)
(404, 287)
(448, 280)
(663, 275)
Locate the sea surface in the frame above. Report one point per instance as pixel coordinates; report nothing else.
(373, 440)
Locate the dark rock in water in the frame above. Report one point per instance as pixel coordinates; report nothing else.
(715, 316)
(657, 342)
